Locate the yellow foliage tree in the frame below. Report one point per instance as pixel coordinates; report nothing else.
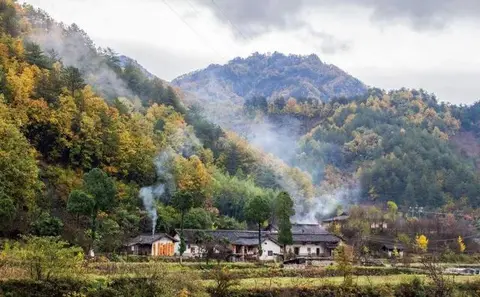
(421, 242)
(461, 244)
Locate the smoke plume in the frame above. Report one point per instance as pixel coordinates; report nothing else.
(183, 142)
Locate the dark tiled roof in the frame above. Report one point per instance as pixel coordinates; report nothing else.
(308, 229)
(335, 219)
(302, 229)
(246, 241)
(148, 239)
(391, 246)
(313, 238)
(230, 235)
(243, 237)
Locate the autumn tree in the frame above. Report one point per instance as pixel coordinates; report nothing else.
(257, 211)
(193, 186)
(392, 210)
(343, 256)
(97, 194)
(461, 244)
(283, 212)
(421, 242)
(19, 183)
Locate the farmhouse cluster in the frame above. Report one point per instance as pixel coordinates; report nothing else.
(309, 240)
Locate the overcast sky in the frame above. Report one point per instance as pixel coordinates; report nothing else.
(430, 44)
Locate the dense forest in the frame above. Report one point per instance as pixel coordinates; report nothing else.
(93, 146)
(75, 154)
(395, 144)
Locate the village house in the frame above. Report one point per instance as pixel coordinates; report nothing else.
(390, 249)
(309, 241)
(151, 245)
(243, 244)
(343, 218)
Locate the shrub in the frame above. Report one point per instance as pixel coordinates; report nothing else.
(44, 257)
(224, 281)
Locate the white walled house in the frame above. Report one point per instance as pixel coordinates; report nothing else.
(309, 241)
(270, 250)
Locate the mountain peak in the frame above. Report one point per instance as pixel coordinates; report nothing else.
(271, 75)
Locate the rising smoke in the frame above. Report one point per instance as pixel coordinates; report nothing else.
(280, 139)
(183, 142)
(165, 183)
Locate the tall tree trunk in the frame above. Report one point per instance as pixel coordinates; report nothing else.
(259, 240)
(94, 232)
(182, 240)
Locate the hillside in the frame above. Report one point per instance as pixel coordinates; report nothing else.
(271, 75)
(398, 145)
(69, 109)
(97, 150)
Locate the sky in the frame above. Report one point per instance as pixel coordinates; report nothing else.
(429, 44)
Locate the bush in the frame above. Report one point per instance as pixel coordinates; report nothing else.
(32, 288)
(44, 257)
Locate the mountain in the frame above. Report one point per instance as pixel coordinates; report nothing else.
(72, 115)
(125, 61)
(271, 76)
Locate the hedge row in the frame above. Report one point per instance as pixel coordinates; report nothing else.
(414, 289)
(312, 272)
(141, 287)
(131, 287)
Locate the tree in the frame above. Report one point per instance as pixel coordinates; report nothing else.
(343, 256)
(47, 225)
(183, 201)
(98, 194)
(73, 79)
(45, 257)
(461, 244)
(258, 211)
(392, 210)
(109, 235)
(283, 212)
(34, 55)
(421, 241)
(19, 183)
(198, 218)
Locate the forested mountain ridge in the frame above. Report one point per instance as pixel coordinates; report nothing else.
(397, 145)
(73, 116)
(69, 109)
(271, 75)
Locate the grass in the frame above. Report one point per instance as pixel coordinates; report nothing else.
(291, 282)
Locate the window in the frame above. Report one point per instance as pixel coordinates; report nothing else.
(133, 248)
(318, 251)
(192, 250)
(309, 251)
(296, 251)
(270, 253)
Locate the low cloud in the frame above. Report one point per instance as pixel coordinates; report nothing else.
(255, 17)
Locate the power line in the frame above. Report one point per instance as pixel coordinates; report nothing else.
(193, 7)
(207, 43)
(228, 19)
